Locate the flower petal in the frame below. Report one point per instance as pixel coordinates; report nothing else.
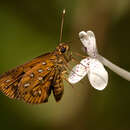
(89, 42)
(97, 75)
(79, 71)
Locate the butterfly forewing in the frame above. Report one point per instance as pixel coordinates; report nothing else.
(12, 75)
(11, 80)
(36, 89)
(36, 75)
(40, 92)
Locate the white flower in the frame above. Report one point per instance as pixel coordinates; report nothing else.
(97, 74)
(93, 65)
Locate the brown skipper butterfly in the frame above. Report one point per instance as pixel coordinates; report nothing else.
(33, 82)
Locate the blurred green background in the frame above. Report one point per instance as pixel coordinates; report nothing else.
(29, 28)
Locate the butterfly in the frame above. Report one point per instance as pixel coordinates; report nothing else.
(34, 81)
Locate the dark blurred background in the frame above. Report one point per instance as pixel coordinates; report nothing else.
(29, 28)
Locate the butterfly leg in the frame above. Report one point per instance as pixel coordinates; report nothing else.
(65, 72)
(67, 67)
(68, 82)
(78, 54)
(73, 59)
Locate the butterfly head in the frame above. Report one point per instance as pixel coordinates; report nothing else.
(62, 48)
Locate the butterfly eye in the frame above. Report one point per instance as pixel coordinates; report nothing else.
(62, 50)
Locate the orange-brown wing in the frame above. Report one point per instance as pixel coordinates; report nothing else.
(9, 81)
(37, 80)
(58, 87)
(37, 90)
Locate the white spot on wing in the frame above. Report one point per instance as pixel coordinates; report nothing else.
(44, 63)
(40, 70)
(27, 84)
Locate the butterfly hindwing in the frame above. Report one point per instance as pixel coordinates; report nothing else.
(58, 87)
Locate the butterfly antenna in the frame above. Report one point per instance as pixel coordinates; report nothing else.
(62, 23)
